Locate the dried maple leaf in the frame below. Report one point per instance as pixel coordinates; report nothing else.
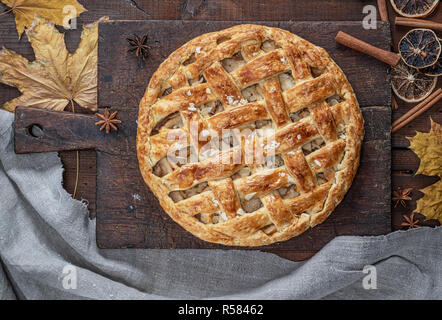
(56, 77)
(431, 203)
(53, 10)
(428, 147)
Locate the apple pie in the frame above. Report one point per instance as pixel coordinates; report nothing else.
(292, 148)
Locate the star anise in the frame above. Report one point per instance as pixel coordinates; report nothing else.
(108, 120)
(400, 196)
(139, 46)
(410, 223)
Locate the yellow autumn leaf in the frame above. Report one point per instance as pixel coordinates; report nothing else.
(428, 147)
(56, 77)
(431, 204)
(59, 11)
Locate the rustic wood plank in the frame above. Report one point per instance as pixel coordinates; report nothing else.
(404, 161)
(38, 130)
(87, 176)
(123, 81)
(225, 10)
(121, 211)
(300, 10)
(62, 131)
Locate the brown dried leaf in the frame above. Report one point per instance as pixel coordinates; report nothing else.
(56, 76)
(431, 204)
(428, 147)
(53, 10)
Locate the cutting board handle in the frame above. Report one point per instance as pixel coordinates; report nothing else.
(38, 130)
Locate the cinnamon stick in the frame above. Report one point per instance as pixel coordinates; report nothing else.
(347, 40)
(382, 7)
(419, 23)
(394, 104)
(417, 110)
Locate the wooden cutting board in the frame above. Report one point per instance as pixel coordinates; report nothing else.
(129, 216)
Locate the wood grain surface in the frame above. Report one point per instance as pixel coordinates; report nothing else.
(404, 161)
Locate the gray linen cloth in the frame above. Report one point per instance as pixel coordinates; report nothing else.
(46, 236)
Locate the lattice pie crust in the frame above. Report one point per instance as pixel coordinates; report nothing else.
(255, 77)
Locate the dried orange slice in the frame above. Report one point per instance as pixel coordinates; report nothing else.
(436, 69)
(414, 8)
(420, 48)
(411, 85)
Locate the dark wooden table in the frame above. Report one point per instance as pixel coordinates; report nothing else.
(404, 161)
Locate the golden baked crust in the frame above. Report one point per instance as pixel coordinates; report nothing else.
(250, 76)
